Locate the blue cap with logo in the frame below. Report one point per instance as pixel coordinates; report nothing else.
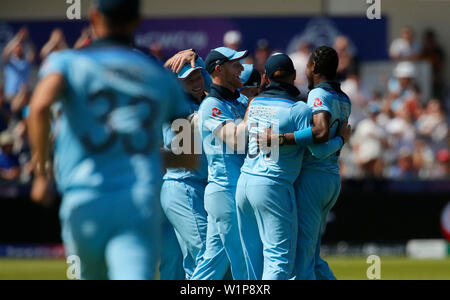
(188, 69)
(221, 55)
(279, 62)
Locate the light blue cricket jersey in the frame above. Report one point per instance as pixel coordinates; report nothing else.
(328, 97)
(219, 108)
(276, 107)
(199, 174)
(113, 106)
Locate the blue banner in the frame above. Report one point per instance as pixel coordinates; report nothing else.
(368, 38)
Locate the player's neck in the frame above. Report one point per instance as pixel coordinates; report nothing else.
(319, 79)
(225, 84)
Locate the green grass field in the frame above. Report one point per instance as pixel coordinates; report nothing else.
(344, 269)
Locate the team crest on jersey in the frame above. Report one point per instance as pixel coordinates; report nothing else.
(318, 102)
(216, 112)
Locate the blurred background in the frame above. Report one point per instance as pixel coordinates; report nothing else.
(395, 200)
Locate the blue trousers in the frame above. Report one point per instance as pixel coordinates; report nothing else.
(316, 193)
(267, 217)
(223, 244)
(116, 236)
(183, 204)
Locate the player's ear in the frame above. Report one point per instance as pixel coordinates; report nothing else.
(266, 79)
(95, 19)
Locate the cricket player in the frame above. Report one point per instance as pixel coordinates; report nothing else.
(107, 157)
(182, 193)
(223, 139)
(251, 82)
(318, 186)
(267, 209)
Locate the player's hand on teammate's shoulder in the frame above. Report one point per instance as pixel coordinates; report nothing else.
(345, 131)
(176, 63)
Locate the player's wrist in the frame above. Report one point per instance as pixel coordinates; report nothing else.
(282, 139)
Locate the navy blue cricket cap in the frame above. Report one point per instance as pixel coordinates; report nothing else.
(279, 62)
(120, 10)
(221, 55)
(250, 77)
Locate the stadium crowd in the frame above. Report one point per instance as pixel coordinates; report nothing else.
(398, 134)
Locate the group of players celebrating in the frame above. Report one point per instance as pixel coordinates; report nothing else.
(252, 206)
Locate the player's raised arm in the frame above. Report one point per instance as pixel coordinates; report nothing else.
(44, 96)
(179, 60)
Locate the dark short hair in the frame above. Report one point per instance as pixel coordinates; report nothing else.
(326, 60)
(283, 76)
(119, 12)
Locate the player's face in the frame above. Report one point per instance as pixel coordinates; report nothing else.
(195, 85)
(232, 73)
(309, 72)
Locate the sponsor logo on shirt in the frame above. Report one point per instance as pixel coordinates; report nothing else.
(216, 112)
(318, 102)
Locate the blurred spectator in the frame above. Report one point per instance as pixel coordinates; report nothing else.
(233, 39)
(432, 125)
(433, 53)
(4, 112)
(261, 55)
(347, 61)
(18, 56)
(156, 50)
(402, 85)
(423, 159)
(401, 130)
(404, 169)
(57, 42)
(85, 38)
(300, 59)
(405, 47)
(9, 163)
(442, 168)
(369, 143)
(353, 88)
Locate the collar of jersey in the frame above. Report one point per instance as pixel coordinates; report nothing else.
(223, 93)
(330, 86)
(283, 90)
(112, 41)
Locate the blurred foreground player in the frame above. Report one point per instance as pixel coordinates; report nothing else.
(114, 102)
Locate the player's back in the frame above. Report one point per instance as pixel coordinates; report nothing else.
(283, 115)
(113, 107)
(328, 97)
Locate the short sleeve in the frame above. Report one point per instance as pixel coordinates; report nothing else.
(214, 114)
(318, 101)
(301, 116)
(55, 63)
